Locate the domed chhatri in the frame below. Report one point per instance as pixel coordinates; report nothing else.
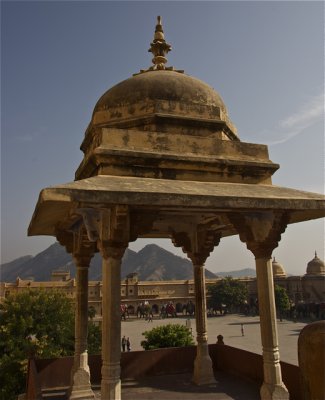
(163, 114)
(278, 270)
(163, 93)
(316, 266)
(162, 160)
(167, 95)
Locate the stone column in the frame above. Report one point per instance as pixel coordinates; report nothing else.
(197, 243)
(111, 323)
(109, 229)
(203, 370)
(81, 387)
(261, 231)
(273, 387)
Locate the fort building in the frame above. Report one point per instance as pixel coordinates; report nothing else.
(301, 290)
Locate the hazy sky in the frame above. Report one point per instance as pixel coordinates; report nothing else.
(266, 59)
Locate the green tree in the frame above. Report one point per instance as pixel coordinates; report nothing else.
(167, 336)
(229, 291)
(39, 323)
(282, 302)
(91, 312)
(94, 338)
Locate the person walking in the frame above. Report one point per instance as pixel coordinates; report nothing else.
(128, 344)
(242, 329)
(124, 342)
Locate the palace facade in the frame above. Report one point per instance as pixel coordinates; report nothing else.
(306, 289)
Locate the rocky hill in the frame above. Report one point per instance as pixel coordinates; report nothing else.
(247, 272)
(151, 263)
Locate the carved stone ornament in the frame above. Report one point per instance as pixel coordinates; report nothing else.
(76, 242)
(159, 48)
(261, 231)
(197, 244)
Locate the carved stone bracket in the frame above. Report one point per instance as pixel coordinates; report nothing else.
(77, 243)
(197, 243)
(261, 231)
(65, 238)
(108, 228)
(142, 224)
(91, 218)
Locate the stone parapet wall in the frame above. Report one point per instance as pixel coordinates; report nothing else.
(55, 373)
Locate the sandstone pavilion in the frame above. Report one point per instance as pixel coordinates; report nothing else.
(163, 160)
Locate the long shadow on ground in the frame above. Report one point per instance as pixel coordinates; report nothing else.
(179, 386)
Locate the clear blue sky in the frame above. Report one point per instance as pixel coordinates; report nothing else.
(266, 59)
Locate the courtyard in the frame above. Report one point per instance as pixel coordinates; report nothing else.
(229, 326)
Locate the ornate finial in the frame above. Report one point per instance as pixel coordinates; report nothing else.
(158, 47)
(315, 254)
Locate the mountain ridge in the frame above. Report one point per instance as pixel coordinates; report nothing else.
(152, 263)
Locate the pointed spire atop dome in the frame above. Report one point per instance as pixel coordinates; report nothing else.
(159, 32)
(316, 266)
(159, 47)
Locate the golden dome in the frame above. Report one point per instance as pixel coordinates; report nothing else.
(278, 270)
(316, 266)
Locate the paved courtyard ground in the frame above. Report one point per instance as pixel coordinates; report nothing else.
(226, 387)
(229, 326)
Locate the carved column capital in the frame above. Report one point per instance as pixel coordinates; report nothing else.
(261, 231)
(113, 250)
(114, 232)
(197, 244)
(77, 244)
(65, 238)
(83, 249)
(108, 228)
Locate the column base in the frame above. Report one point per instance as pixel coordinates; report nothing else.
(111, 382)
(274, 392)
(81, 386)
(203, 370)
(111, 390)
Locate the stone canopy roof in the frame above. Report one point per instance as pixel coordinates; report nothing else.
(162, 144)
(145, 194)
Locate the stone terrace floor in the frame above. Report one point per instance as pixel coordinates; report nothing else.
(179, 386)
